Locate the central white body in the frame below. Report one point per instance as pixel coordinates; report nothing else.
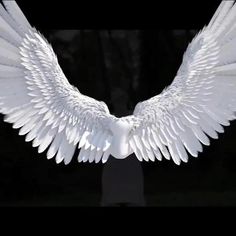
(120, 147)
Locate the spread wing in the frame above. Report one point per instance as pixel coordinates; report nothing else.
(199, 102)
(36, 97)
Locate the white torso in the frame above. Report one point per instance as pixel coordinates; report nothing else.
(120, 147)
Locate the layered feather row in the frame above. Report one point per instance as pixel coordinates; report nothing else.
(199, 102)
(36, 97)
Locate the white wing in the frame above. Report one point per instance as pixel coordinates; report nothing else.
(199, 102)
(37, 98)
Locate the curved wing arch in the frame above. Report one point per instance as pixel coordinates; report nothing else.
(36, 97)
(199, 102)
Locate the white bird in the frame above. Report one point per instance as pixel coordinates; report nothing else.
(36, 98)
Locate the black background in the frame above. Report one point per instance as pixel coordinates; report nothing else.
(28, 179)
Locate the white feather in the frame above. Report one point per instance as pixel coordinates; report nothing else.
(86, 155)
(92, 155)
(98, 156)
(47, 140)
(105, 156)
(69, 153)
(81, 153)
(216, 15)
(16, 13)
(222, 13)
(5, 15)
(54, 146)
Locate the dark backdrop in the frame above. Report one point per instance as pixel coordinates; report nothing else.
(102, 55)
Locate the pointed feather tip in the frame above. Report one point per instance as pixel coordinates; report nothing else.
(7, 119)
(16, 126)
(50, 155)
(41, 149)
(159, 158)
(28, 139)
(153, 160)
(80, 156)
(104, 161)
(195, 155)
(67, 162)
(21, 133)
(178, 163)
(92, 160)
(185, 161)
(59, 160)
(97, 161)
(35, 143)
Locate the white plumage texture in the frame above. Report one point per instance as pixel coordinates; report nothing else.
(37, 99)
